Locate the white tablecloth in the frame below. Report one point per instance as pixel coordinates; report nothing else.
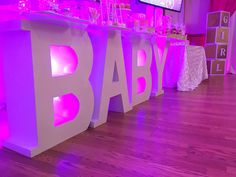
(185, 67)
(194, 70)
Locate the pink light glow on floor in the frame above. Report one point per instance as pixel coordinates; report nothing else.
(66, 108)
(64, 60)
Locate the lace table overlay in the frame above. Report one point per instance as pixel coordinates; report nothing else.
(194, 69)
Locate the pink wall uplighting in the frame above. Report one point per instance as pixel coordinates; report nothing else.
(2, 95)
(3, 126)
(4, 132)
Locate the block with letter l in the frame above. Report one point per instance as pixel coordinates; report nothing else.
(216, 67)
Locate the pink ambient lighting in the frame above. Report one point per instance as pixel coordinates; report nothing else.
(64, 60)
(4, 132)
(66, 108)
(141, 85)
(4, 129)
(141, 60)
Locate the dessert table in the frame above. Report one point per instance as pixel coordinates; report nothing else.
(68, 74)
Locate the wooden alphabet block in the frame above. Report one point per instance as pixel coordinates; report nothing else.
(218, 19)
(214, 51)
(216, 67)
(217, 35)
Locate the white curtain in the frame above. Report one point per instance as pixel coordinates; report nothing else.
(231, 59)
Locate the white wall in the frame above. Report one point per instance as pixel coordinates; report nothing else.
(196, 15)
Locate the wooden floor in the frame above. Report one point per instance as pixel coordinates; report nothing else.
(188, 134)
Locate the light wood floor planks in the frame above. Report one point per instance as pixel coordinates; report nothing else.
(180, 134)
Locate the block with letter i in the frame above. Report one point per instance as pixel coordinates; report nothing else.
(217, 41)
(217, 35)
